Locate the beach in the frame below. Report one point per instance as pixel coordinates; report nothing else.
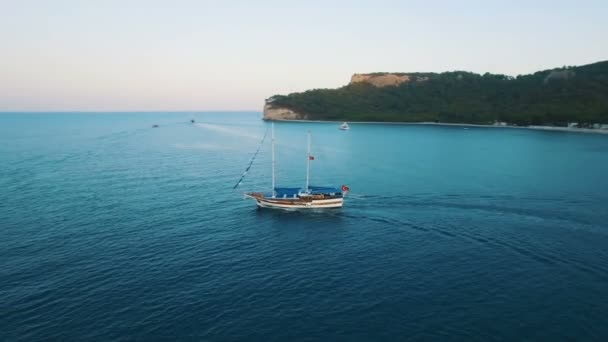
(541, 128)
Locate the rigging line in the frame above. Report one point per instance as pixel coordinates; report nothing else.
(251, 161)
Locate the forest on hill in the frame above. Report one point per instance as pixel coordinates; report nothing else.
(551, 97)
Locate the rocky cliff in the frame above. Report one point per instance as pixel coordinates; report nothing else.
(380, 80)
(279, 113)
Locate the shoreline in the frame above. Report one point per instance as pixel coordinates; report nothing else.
(537, 128)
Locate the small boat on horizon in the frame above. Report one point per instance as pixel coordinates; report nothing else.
(309, 197)
(344, 126)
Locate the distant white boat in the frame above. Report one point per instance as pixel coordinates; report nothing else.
(344, 126)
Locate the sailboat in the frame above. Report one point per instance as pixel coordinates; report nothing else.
(344, 126)
(309, 197)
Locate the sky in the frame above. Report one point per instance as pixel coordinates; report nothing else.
(139, 55)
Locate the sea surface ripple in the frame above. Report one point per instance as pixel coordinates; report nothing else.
(114, 230)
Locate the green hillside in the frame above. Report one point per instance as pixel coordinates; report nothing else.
(550, 97)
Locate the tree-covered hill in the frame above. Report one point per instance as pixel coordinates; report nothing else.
(550, 97)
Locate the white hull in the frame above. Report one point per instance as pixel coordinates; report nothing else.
(314, 204)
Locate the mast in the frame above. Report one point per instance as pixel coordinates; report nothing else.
(308, 163)
(272, 159)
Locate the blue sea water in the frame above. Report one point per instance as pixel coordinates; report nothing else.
(114, 230)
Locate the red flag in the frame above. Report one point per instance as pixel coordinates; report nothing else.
(311, 157)
(345, 188)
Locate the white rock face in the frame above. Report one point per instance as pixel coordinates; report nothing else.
(278, 113)
(380, 80)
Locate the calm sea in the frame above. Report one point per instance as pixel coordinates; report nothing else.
(114, 230)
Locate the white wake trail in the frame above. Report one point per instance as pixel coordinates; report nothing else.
(228, 130)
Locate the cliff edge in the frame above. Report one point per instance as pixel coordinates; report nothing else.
(381, 80)
(280, 113)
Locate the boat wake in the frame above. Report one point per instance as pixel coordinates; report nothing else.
(230, 130)
(201, 146)
(520, 243)
(459, 226)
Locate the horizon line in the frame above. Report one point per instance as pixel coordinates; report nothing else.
(130, 111)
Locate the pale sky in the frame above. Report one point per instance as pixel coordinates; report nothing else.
(110, 55)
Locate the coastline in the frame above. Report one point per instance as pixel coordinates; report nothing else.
(538, 128)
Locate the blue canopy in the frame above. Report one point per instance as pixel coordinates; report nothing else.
(287, 191)
(324, 189)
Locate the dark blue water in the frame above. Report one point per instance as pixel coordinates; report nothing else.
(114, 230)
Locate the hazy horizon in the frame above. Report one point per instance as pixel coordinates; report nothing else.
(184, 56)
(136, 111)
